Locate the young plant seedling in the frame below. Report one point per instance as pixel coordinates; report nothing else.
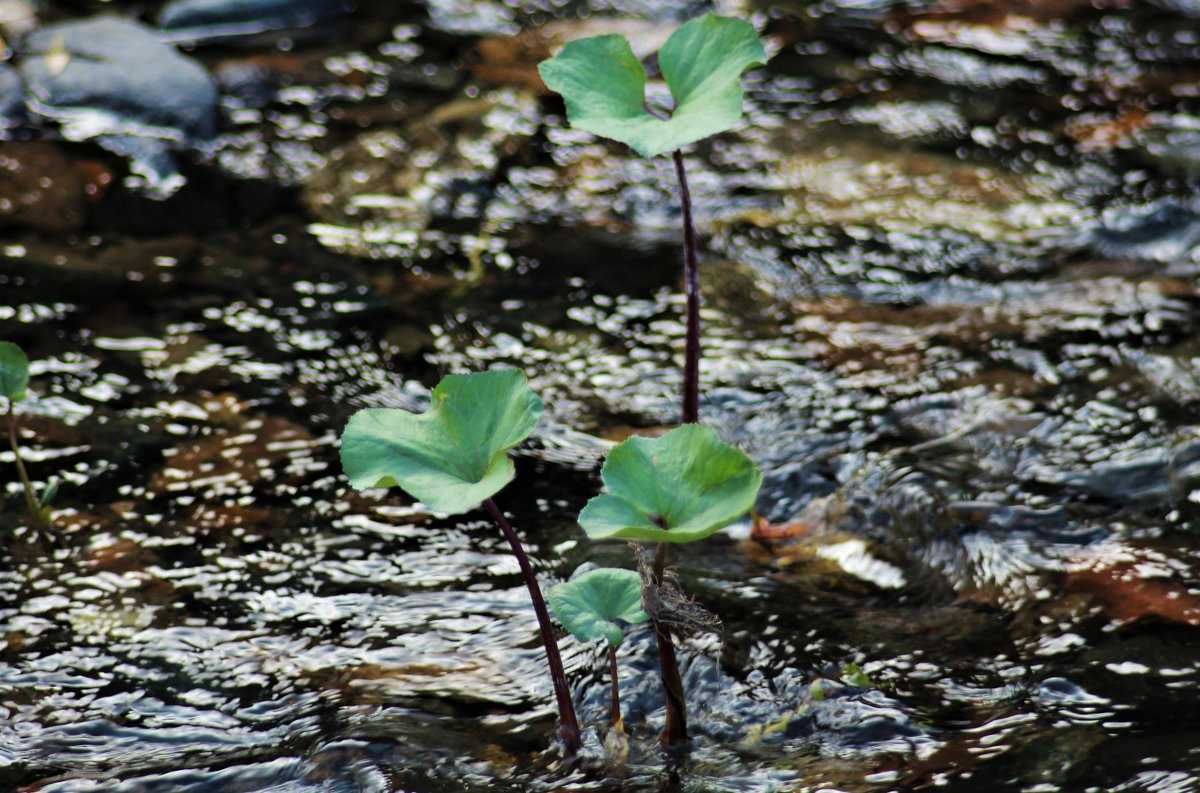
(14, 384)
(604, 88)
(452, 457)
(598, 605)
(680, 487)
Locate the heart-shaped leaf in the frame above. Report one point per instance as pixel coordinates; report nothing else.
(454, 455)
(604, 84)
(591, 605)
(678, 488)
(14, 371)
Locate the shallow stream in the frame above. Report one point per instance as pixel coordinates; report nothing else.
(951, 267)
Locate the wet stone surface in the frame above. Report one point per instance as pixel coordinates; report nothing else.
(949, 268)
(111, 80)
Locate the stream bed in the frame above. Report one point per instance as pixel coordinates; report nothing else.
(951, 272)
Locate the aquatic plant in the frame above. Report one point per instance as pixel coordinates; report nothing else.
(453, 457)
(680, 487)
(14, 385)
(599, 605)
(604, 88)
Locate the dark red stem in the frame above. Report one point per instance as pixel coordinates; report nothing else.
(675, 730)
(691, 286)
(568, 726)
(616, 692)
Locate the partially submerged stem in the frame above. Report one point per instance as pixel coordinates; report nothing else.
(31, 499)
(616, 691)
(568, 726)
(675, 729)
(691, 283)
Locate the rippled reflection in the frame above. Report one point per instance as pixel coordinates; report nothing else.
(949, 309)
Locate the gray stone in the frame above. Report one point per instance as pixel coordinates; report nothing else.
(12, 97)
(1167, 231)
(111, 76)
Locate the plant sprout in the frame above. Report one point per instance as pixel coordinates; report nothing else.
(14, 384)
(452, 457)
(598, 605)
(680, 487)
(604, 88)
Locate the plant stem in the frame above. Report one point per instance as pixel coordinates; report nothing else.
(691, 285)
(31, 499)
(675, 730)
(568, 726)
(616, 692)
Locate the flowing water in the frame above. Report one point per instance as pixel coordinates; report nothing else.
(950, 272)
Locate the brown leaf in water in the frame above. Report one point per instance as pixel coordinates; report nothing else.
(765, 531)
(118, 557)
(227, 460)
(1127, 596)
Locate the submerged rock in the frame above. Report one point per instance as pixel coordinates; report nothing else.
(247, 84)
(106, 77)
(1171, 145)
(372, 194)
(17, 17)
(1165, 232)
(209, 21)
(853, 181)
(111, 75)
(12, 97)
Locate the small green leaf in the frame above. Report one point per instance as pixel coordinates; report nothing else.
(853, 675)
(678, 488)
(604, 84)
(590, 605)
(454, 455)
(14, 371)
(50, 492)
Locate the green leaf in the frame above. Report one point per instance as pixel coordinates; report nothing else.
(14, 371)
(590, 605)
(604, 84)
(50, 492)
(854, 675)
(678, 488)
(454, 455)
